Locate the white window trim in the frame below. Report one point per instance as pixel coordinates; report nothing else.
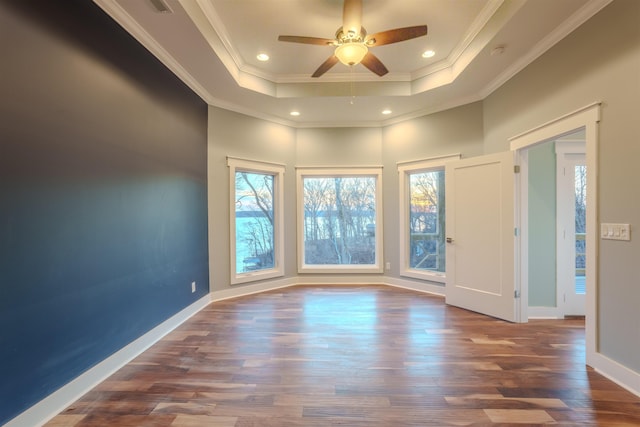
(277, 171)
(371, 171)
(404, 170)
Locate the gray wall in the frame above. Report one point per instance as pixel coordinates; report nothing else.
(458, 130)
(454, 131)
(237, 135)
(542, 225)
(339, 147)
(600, 61)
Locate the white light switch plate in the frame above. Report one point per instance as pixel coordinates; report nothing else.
(615, 231)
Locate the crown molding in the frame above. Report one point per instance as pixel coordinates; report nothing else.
(492, 18)
(577, 19)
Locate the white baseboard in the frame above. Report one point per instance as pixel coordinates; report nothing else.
(621, 375)
(240, 291)
(346, 279)
(57, 401)
(544, 313)
(426, 287)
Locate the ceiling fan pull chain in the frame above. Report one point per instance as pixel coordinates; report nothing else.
(353, 95)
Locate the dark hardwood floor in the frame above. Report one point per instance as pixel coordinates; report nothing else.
(362, 356)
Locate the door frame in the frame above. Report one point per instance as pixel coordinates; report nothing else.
(588, 118)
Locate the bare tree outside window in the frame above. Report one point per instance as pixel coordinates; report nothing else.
(581, 216)
(339, 220)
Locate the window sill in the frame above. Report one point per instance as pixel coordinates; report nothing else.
(342, 269)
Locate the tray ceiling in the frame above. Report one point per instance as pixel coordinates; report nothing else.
(212, 46)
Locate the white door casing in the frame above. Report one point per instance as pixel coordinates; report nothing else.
(480, 231)
(586, 118)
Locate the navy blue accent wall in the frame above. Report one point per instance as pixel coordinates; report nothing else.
(103, 195)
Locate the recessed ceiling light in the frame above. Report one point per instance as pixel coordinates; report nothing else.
(428, 54)
(386, 112)
(262, 57)
(295, 113)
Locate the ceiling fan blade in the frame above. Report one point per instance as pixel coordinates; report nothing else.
(396, 35)
(352, 16)
(326, 66)
(374, 64)
(307, 40)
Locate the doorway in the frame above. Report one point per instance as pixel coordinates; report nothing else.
(585, 119)
(556, 208)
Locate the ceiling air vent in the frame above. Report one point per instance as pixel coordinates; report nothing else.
(161, 6)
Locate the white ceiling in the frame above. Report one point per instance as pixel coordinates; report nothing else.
(212, 45)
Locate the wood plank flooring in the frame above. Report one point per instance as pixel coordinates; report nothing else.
(361, 356)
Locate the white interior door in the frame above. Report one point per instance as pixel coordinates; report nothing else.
(480, 235)
(571, 229)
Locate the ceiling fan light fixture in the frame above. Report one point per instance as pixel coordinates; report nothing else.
(352, 42)
(351, 53)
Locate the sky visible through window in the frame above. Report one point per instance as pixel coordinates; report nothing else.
(426, 221)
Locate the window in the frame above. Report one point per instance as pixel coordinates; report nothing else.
(256, 220)
(339, 220)
(422, 219)
(580, 226)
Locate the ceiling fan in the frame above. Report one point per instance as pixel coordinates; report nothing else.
(352, 42)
